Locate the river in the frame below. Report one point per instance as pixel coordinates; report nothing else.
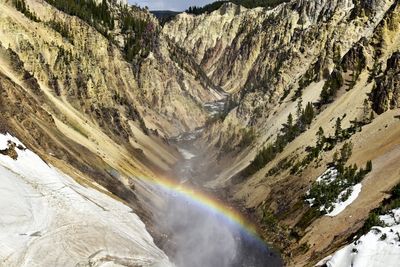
(200, 237)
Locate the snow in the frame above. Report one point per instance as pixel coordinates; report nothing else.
(4, 138)
(392, 218)
(48, 219)
(328, 177)
(372, 249)
(339, 206)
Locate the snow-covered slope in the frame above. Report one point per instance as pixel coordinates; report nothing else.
(339, 205)
(378, 248)
(48, 219)
(328, 177)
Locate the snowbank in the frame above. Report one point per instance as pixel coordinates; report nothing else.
(339, 206)
(328, 177)
(380, 247)
(48, 219)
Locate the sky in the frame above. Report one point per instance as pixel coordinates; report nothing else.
(175, 5)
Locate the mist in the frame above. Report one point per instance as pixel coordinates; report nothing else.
(199, 237)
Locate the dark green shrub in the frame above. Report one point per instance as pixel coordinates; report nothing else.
(331, 86)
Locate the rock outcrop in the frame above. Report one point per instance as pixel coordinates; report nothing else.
(386, 94)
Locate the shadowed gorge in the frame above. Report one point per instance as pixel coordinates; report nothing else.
(241, 133)
(200, 233)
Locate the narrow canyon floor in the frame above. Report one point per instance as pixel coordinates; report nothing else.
(198, 236)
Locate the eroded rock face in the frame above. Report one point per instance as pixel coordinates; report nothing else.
(386, 94)
(72, 95)
(80, 105)
(268, 59)
(261, 55)
(209, 37)
(91, 73)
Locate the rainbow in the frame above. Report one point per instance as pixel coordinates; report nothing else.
(206, 202)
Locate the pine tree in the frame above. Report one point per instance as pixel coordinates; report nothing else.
(21, 6)
(368, 167)
(335, 157)
(325, 95)
(345, 152)
(366, 110)
(288, 131)
(308, 114)
(299, 110)
(338, 128)
(289, 123)
(371, 116)
(320, 138)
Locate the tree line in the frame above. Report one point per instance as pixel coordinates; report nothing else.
(97, 15)
(196, 10)
(138, 32)
(21, 6)
(289, 131)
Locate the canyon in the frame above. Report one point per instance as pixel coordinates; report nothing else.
(130, 143)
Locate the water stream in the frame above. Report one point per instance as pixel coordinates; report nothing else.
(202, 238)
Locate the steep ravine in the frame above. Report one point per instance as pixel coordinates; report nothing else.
(79, 104)
(198, 236)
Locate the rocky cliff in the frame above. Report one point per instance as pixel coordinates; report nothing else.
(386, 95)
(100, 113)
(340, 57)
(308, 140)
(91, 73)
(79, 79)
